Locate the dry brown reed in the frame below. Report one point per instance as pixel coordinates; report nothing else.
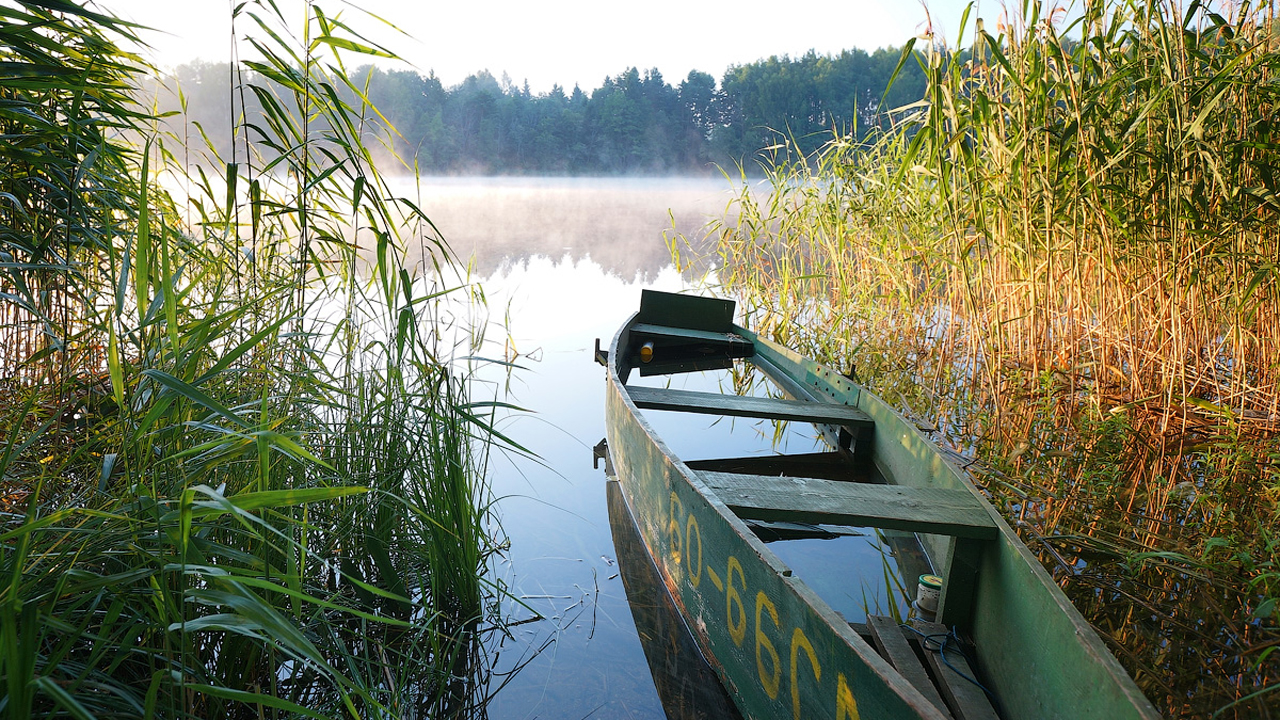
(1066, 257)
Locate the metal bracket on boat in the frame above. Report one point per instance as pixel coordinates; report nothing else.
(600, 452)
(601, 356)
(853, 373)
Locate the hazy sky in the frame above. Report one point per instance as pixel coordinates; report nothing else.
(572, 41)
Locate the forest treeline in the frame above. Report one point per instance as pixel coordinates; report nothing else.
(635, 122)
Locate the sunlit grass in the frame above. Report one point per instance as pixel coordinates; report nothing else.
(1065, 258)
(241, 476)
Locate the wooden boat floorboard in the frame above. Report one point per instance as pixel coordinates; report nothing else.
(737, 406)
(812, 500)
(968, 700)
(892, 644)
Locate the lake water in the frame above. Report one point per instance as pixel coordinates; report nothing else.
(563, 261)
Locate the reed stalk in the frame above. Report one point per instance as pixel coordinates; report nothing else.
(240, 477)
(1065, 258)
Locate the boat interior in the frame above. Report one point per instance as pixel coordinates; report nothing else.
(817, 494)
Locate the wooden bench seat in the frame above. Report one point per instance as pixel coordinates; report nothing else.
(728, 343)
(939, 511)
(679, 350)
(812, 500)
(755, 407)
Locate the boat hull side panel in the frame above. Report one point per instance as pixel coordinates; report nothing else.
(780, 650)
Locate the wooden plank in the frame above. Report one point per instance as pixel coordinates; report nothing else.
(676, 350)
(775, 531)
(960, 582)
(738, 406)
(834, 465)
(890, 642)
(683, 365)
(687, 336)
(967, 700)
(686, 311)
(810, 500)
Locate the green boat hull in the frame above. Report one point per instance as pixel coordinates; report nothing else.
(780, 650)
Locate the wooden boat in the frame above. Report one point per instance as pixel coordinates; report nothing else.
(686, 685)
(779, 649)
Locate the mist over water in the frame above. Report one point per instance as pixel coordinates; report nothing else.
(617, 222)
(562, 262)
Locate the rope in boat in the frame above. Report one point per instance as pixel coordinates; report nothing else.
(941, 649)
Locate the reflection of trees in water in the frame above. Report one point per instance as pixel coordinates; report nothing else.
(619, 223)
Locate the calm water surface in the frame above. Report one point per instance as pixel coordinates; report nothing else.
(564, 261)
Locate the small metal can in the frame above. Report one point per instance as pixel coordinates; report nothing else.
(927, 593)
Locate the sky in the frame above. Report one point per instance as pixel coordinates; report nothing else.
(568, 42)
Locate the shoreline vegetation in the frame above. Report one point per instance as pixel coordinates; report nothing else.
(1065, 259)
(241, 473)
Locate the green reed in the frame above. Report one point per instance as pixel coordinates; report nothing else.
(1065, 258)
(239, 475)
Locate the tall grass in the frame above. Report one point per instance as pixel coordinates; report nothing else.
(240, 476)
(1066, 258)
